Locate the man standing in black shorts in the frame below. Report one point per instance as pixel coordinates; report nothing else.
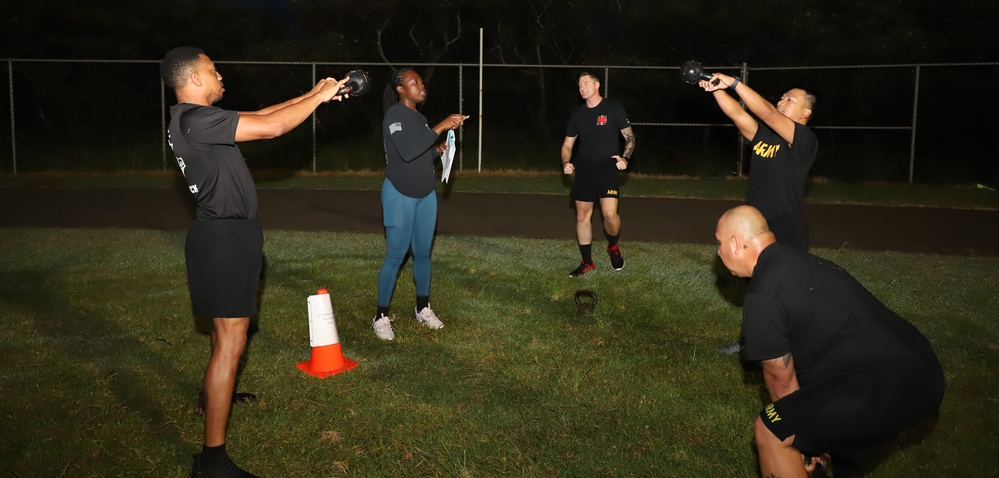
(598, 125)
(845, 374)
(224, 247)
(784, 149)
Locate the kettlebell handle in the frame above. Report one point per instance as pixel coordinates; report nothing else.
(592, 296)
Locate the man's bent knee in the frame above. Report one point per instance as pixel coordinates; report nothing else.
(231, 334)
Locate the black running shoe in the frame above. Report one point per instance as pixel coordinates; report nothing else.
(223, 468)
(583, 268)
(617, 262)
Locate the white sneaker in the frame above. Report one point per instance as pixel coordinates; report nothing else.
(429, 318)
(383, 328)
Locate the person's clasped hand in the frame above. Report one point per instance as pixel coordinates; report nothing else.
(457, 120)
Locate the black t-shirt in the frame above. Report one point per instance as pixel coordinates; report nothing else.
(778, 171)
(203, 139)
(598, 133)
(800, 303)
(410, 153)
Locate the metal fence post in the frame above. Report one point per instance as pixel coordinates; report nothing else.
(314, 124)
(480, 98)
(912, 144)
(461, 102)
(742, 150)
(607, 82)
(163, 126)
(13, 140)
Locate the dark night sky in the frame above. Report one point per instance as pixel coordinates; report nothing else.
(773, 32)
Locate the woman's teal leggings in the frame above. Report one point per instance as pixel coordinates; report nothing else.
(409, 222)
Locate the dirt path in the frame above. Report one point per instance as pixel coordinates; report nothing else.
(876, 228)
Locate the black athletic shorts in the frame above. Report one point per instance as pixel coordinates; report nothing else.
(591, 186)
(224, 260)
(853, 416)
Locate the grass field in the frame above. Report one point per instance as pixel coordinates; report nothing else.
(102, 361)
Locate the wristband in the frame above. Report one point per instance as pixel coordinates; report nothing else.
(735, 81)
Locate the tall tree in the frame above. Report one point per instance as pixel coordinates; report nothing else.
(393, 31)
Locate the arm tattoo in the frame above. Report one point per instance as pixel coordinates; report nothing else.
(782, 362)
(629, 141)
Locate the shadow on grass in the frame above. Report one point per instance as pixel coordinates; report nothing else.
(80, 344)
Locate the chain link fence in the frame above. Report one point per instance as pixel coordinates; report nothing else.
(892, 123)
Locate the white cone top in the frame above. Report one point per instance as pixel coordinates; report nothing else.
(322, 323)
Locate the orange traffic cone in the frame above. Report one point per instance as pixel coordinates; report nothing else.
(327, 356)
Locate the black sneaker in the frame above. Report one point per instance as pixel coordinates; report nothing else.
(617, 262)
(223, 468)
(583, 268)
(732, 348)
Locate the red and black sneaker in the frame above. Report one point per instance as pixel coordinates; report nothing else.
(583, 268)
(617, 262)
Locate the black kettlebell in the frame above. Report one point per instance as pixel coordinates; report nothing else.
(357, 84)
(586, 302)
(692, 71)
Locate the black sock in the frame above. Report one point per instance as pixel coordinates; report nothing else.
(586, 250)
(212, 454)
(612, 240)
(381, 311)
(422, 301)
